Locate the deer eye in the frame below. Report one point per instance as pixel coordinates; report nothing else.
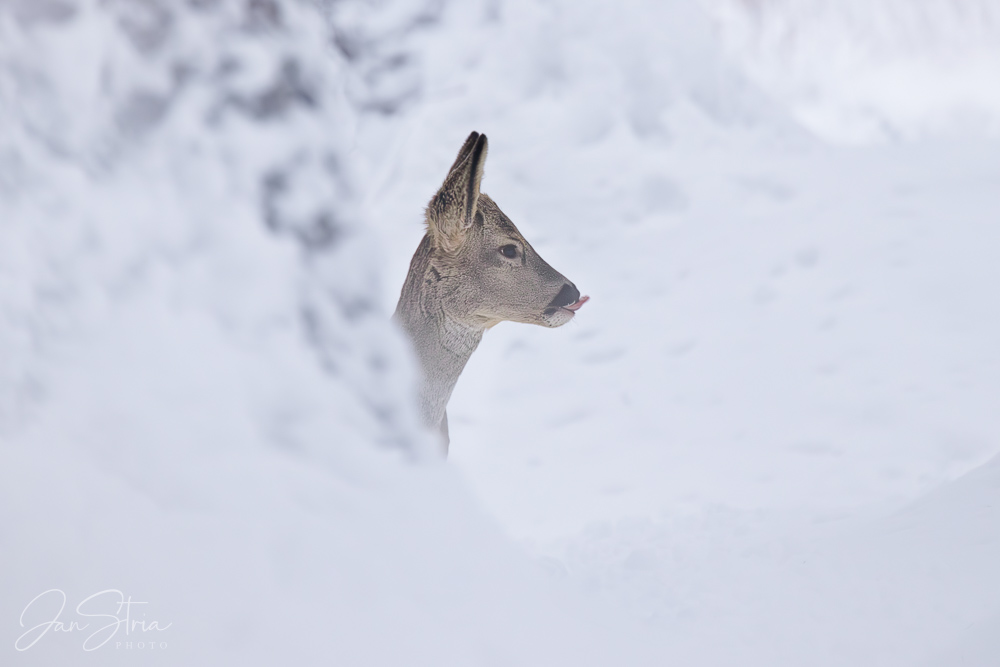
(509, 251)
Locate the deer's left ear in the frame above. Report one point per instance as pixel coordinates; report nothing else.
(453, 209)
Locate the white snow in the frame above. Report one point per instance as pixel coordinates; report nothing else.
(770, 438)
(860, 71)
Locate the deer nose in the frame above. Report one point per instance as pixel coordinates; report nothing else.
(569, 294)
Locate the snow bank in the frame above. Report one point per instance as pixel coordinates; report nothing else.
(722, 586)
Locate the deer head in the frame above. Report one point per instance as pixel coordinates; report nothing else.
(472, 270)
(484, 270)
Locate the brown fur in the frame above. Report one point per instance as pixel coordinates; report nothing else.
(461, 282)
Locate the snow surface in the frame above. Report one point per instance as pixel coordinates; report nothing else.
(862, 71)
(771, 438)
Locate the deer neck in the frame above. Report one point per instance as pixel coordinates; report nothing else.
(442, 343)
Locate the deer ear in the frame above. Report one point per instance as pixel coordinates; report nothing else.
(464, 151)
(453, 208)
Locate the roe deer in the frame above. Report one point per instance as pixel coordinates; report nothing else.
(472, 270)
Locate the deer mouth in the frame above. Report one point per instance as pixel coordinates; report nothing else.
(570, 308)
(563, 307)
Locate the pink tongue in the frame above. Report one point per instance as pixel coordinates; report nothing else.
(578, 304)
